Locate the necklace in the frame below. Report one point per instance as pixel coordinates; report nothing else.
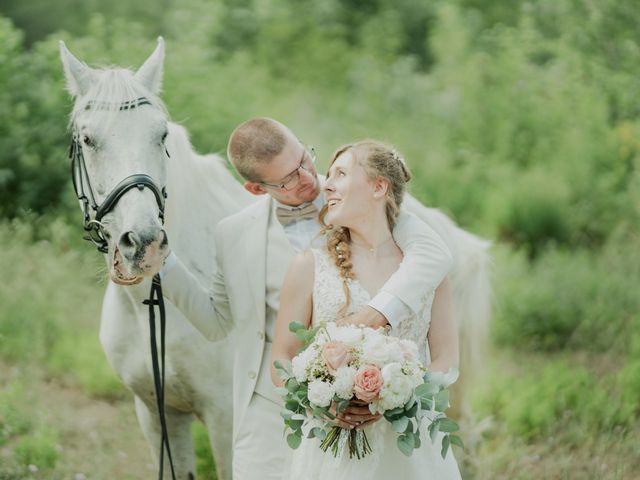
(373, 250)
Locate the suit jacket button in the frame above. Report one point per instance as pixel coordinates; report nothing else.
(252, 375)
(261, 335)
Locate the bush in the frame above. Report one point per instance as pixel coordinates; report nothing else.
(38, 449)
(568, 299)
(553, 395)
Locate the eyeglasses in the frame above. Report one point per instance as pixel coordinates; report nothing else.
(291, 180)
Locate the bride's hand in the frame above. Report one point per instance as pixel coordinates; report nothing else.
(367, 316)
(357, 415)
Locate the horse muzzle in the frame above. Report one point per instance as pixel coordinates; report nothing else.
(138, 254)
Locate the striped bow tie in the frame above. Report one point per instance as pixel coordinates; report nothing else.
(287, 216)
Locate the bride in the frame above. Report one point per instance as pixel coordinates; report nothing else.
(364, 188)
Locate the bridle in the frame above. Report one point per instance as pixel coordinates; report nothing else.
(92, 223)
(92, 212)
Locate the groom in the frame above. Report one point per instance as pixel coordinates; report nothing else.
(253, 250)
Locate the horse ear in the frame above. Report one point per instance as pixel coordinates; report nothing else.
(150, 73)
(79, 76)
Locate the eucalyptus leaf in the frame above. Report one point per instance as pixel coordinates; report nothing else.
(400, 425)
(456, 440)
(426, 389)
(448, 425)
(286, 414)
(295, 326)
(294, 440)
(445, 446)
(433, 430)
(416, 439)
(406, 444)
(442, 400)
(319, 433)
(410, 403)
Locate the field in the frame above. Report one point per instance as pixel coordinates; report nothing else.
(520, 120)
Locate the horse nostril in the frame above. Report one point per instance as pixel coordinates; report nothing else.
(129, 240)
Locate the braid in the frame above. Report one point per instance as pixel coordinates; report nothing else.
(339, 249)
(338, 246)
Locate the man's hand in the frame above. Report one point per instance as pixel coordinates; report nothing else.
(369, 317)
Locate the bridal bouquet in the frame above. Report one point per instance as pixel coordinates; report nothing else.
(343, 363)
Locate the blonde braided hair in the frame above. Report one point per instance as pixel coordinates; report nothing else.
(378, 160)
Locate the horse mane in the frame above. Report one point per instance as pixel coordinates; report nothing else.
(111, 88)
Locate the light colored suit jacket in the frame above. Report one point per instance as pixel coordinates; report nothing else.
(237, 297)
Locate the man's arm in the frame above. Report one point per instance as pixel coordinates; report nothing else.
(207, 309)
(427, 260)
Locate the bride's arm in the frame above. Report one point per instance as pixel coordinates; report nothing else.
(295, 306)
(443, 334)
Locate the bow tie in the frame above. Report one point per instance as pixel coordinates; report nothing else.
(287, 216)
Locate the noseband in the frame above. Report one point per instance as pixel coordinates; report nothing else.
(92, 212)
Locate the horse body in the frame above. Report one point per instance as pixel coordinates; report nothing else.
(118, 142)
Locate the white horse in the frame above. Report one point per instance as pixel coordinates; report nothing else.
(123, 129)
(117, 143)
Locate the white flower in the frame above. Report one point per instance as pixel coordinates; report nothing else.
(343, 383)
(349, 334)
(300, 363)
(409, 350)
(415, 371)
(397, 387)
(380, 350)
(320, 393)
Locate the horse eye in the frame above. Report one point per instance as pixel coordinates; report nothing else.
(87, 141)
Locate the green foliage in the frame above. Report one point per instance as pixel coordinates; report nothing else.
(568, 299)
(205, 467)
(50, 310)
(79, 353)
(550, 398)
(520, 119)
(38, 449)
(15, 420)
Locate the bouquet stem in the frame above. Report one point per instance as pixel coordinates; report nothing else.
(354, 440)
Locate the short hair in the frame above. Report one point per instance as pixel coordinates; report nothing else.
(256, 141)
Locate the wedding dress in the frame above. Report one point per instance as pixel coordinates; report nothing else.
(386, 461)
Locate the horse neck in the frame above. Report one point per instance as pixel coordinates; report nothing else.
(201, 192)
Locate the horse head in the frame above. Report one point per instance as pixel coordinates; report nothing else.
(119, 158)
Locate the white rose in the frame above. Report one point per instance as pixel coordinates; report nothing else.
(343, 384)
(397, 387)
(320, 393)
(377, 351)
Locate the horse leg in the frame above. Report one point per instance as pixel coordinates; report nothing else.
(180, 440)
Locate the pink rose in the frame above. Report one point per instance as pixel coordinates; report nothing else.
(336, 354)
(368, 383)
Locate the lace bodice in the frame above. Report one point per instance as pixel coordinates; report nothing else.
(329, 297)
